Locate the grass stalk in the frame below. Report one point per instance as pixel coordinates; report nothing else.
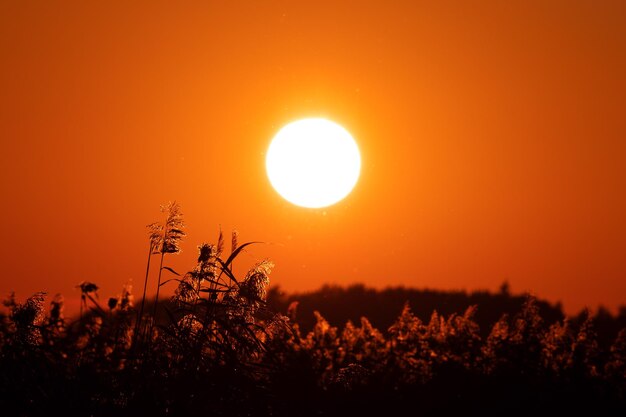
(143, 298)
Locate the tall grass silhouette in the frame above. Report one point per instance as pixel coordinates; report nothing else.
(218, 349)
(165, 238)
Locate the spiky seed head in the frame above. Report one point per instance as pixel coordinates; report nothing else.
(254, 286)
(220, 243)
(155, 235)
(87, 287)
(185, 292)
(174, 226)
(234, 241)
(206, 252)
(166, 237)
(34, 304)
(27, 317)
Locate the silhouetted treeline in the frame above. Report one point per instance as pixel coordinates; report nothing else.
(341, 304)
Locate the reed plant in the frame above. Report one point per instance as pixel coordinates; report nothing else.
(164, 238)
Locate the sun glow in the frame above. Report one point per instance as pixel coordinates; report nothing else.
(313, 162)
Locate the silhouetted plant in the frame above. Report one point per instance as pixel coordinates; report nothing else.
(585, 353)
(166, 238)
(87, 292)
(364, 345)
(615, 368)
(454, 341)
(408, 349)
(55, 324)
(557, 348)
(516, 346)
(26, 319)
(322, 345)
(155, 234)
(218, 319)
(494, 350)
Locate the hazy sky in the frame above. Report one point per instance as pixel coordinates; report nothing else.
(493, 138)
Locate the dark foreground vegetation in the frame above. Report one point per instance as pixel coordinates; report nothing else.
(218, 349)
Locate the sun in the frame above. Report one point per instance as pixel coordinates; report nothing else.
(313, 162)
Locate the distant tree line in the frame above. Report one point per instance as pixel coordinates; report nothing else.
(381, 306)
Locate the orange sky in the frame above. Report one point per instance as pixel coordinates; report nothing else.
(492, 133)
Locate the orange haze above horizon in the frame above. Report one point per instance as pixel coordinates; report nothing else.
(492, 135)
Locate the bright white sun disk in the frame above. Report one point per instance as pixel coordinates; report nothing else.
(313, 162)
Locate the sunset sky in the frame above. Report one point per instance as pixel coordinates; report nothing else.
(492, 137)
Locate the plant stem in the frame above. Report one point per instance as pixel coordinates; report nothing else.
(99, 307)
(156, 298)
(143, 298)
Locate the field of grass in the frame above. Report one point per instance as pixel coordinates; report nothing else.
(219, 348)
